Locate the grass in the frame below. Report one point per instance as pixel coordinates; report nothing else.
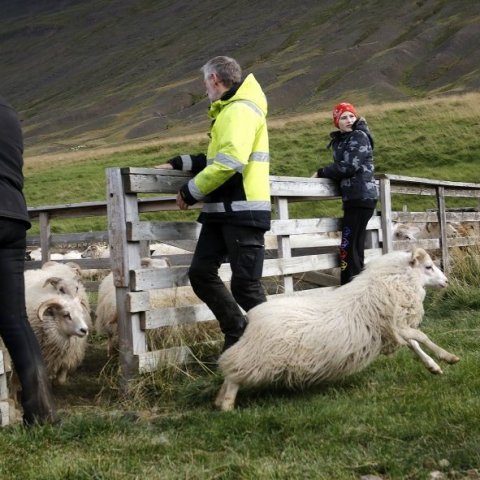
(394, 419)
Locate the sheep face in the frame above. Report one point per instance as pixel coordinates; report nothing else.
(431, 275)
(96, 251)
(405, 231)
(66, 317)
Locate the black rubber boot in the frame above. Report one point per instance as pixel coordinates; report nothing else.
(37, 399)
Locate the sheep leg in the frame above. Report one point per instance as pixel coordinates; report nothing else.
(221, 394)
(227, 395)
(414, 334)
(111, 344)
(61, 376)
(428, 361)
(230, 396)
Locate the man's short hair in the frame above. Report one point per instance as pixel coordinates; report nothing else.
(227, 68)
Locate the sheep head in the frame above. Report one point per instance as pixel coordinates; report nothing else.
(405, 231)
(430, 274)
(95, 251)
(61, 286)
(65, 316)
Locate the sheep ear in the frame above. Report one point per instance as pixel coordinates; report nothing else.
(418, 256)
(54, 281)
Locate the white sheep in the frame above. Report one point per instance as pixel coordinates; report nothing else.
(426, 230)
(35, 254)
(299, 341)
(96, 250)
(59, 313)
(72, 255)
(106, 316)
(160, 249)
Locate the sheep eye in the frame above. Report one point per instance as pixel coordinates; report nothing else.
(62, 290)
(428, 267)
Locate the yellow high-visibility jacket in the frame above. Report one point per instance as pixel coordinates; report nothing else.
(234, 185)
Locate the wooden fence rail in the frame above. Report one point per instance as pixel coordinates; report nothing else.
(127, 231)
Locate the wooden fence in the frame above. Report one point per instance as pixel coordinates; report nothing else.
(127, 231)
(298, 247)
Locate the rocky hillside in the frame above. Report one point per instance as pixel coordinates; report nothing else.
(96, 72)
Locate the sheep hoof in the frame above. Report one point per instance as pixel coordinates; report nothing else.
(436, 370)
(218, 402)
(227, 406)
(61, 378)
(452, 359)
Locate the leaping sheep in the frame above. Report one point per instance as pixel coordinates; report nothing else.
(298, 341)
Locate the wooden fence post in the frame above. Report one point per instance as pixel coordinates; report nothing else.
(283, 242)
(125, 256)
(372, 238)
(386, 217)
(44, 223)
(442, 222)
(4, 406)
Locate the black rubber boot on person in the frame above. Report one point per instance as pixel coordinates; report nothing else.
(37, 400)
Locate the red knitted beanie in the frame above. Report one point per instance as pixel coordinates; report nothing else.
(340, 109)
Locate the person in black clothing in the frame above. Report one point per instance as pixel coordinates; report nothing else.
(352, 146)
(15, 330)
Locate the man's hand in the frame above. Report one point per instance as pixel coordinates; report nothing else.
(166, 166)
(181, 204)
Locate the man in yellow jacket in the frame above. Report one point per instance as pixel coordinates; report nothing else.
(232, 180)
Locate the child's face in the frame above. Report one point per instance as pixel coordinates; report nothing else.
(345, 122)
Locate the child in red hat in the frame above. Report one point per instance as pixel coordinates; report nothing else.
(352, 167)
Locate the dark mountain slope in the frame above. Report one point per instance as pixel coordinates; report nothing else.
(95, 71)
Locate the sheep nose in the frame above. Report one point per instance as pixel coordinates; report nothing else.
(84, 331)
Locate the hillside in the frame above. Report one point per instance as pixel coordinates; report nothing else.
(89, 73)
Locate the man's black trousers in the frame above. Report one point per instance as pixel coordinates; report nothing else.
(15, 330)
(244, 247)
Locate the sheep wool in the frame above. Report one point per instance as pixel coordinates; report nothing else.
(106, 316)
(59, 313)
(298, 341)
